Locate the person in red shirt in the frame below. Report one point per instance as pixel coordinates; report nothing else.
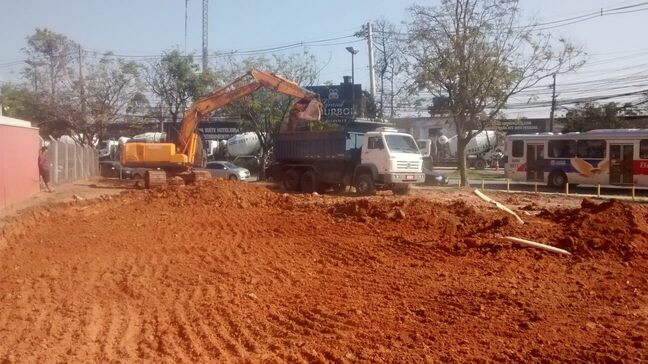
(43, 167)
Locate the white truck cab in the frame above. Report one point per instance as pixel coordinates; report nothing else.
(393, 159)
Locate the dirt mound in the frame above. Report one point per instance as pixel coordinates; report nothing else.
(222, 194)
(223, 271)
(446, 226)
(611, 226)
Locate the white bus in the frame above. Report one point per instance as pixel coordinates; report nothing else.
(616, 157)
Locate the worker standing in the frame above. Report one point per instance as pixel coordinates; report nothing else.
(43, 167)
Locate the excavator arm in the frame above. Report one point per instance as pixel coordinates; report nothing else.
(307, 108)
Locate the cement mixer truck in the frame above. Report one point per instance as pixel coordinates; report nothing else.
(442, 151)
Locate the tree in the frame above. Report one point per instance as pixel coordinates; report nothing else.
(113, 88)
(50, 57)
(176, 80)
(49, 71)
(477, 54)
(391, 65)
(590, 116)
(264, 111)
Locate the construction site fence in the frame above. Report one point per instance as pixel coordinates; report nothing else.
(71, 162)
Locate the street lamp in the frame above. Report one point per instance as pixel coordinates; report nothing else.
(353, 52)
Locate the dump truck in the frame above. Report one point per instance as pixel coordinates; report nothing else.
(314, 161)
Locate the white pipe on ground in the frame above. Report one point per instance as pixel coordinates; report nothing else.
(536, 245)
(498, 205)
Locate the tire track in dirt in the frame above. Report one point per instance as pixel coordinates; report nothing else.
(208, 336)
(189, 339)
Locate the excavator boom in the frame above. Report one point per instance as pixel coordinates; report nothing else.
(307, 108)
(186, 150)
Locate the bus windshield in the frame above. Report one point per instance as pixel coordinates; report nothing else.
(401, 143)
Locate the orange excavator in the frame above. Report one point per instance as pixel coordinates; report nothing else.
(180, 157)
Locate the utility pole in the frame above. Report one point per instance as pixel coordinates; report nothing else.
(186, 20)
(553, 105)
(205, 30)
(372, 70)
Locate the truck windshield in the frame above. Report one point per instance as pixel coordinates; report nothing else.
(401, 143)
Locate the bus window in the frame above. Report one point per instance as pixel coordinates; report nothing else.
(643, 149)
(562, 148)
(591, 148)
(518, 149)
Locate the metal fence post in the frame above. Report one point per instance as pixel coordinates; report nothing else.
(67, 162)
(82, 162)
(76, 166)
(55, 154)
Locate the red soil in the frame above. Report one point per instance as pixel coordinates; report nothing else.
(226, 271)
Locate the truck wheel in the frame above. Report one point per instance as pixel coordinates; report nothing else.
(480, 164)
(291, 180)
(365, 185)
(232, 178)
(401, 190)
(309, 183)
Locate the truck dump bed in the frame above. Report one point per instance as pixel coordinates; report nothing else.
(312, 146)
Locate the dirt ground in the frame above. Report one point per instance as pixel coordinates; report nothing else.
(84, 189)
(232, 272)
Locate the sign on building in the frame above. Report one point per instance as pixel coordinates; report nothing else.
(337, 101)
(522, 126)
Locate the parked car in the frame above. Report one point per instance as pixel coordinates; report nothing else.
(251, 162)
(434, 178)
(227, 170)
(112, 169)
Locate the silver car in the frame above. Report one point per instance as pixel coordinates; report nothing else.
(227, 170)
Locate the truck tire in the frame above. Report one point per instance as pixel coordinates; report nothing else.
(291, 180)
(308, 182)
(480, 164)
(401, 190)
(364, 185)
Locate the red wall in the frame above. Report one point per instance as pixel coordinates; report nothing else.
(18, 163)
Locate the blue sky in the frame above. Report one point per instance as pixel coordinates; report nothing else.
(616, 43)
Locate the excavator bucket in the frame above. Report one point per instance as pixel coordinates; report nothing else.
(307, 110)
(303, 112)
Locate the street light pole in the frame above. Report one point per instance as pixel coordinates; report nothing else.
(353, 53)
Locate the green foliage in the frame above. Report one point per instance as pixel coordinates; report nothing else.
(176, 80)
(592, 116)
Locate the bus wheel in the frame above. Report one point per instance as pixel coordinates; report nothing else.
(557, 179)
